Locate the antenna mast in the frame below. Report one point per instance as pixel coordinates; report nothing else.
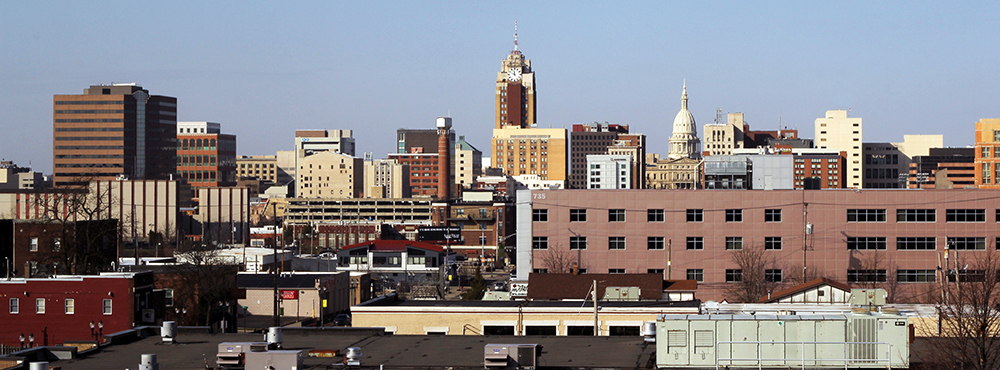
(515, 36)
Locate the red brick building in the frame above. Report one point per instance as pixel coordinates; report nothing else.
(205, 156)
(424, 172)
(55, 310)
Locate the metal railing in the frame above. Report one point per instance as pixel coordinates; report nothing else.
(870, 347)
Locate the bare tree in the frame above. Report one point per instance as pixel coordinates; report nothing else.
(87, 237)
(557, 260)
(876, 272)
(751, 280)
(203, 280)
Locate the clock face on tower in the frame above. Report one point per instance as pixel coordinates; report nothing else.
(514, 74)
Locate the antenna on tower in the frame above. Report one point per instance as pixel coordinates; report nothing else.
(515, 35)
(718, 116)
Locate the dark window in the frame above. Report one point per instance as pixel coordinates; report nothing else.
(772, 215)
(695, 215)
(654, 271)
(734, 215)
(866, 276)
(772, 243)
(540, 271)
(866, 243)
(965, 215)
(916, 215)
(539, 215)
(578, 242)
(916, 243)
(578, 215)
(916, 276)
(539, 330)
(695, 243)
(865, 215)
(540, 242)
(654, 242)
(654, 215)
(734, 243)
(616, 242)
(734, 275)
(773, 275)
(966, 243)
(616, 271)
(696, 274)
(578, 330)
(967, 276)
(616, 215)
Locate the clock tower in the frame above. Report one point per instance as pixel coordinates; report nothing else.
(515, 94)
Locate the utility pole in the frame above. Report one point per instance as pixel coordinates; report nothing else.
(277, 320)
(597, 327)
(805, 235)
(669, 252)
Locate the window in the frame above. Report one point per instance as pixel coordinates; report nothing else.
(966, 243)
(772, 215)
(696, 275)
(916, 215)
(654, 215)
(616, 242)
(866, 243)
(577, 242)
(540, 242)
(616, 215)
(695, 215)
(916, 243)
(916, 276)
(734, 275)
(654, 271)
(968, 276)
(14, 305)
(616, 271)
(654, 242)
(39, 305)
(540, 271)
(773, 275)
(578, 215)
(34, 245)
(695, 243)
(540, 215)
(772, 243)
(965, 215)
(734, 215)
(866, 276)
(70, 306)
(106, 306)
(865, 215)
(734, 243)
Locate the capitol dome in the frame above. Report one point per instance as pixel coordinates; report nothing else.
(684, 142)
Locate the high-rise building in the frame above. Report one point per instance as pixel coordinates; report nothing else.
(515, 93)
(722, 137)
(330, 174)
(309, 142)
(468, 163)
(588, 139)
(609, 171)
(943, 168)
(111, 131)
(838, 131)
(386, 178)
(684, 142)
(887, 164)
(205, 156)
(988, 153)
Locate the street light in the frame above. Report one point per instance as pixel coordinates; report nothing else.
(180, 312)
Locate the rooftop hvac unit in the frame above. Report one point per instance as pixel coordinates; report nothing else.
(233, 354)
(519, 356)
(148, 362)
(274, 360)
(615, 293)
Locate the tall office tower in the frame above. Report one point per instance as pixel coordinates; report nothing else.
(309, 142)
(722, 137)
(515, 93)
(837, 131)
(468, 163)
(111, 131)
(988, 153)
(684, 142)
(386, 178)
(205, 156)
(589, 139)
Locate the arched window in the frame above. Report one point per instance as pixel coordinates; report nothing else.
(211, 144)
(198, 145)
(184, 144)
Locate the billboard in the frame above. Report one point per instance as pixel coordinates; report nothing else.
(289, 294)
(439, 233)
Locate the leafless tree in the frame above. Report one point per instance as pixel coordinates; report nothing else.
(203, 279)
(752, 283)
(877, 272)
(87, 237)
(969, 315)
(557, 260)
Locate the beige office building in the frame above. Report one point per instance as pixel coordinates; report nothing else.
(468, 163)
(533, 151)
(838, 131)
(386, 178)
(722, 137)
(329, 175)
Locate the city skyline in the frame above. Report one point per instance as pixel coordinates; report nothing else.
(264, 71)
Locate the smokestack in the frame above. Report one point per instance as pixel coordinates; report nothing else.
(444, 158)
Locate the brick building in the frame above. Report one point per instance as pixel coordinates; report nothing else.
(205, 156)
(883, 237)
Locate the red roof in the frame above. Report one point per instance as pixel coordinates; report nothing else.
(776, 296)
(394, 245)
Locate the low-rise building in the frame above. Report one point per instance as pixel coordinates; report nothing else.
(301, 294)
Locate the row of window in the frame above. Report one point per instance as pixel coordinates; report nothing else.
(69, 306)
(774, 215)
(853, 276)
(775, 243)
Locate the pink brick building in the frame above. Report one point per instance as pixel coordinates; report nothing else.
(891, 238)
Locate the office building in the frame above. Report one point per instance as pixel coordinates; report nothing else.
(943, 168)
(988, 153)
(842, 133)
(330, 174)
(309, 142)
(386, 178)
(515, 91)
(13, 177)
(887, 164)
(111, 131)
(605, 139)
(261, 167)
(468, 163)
(722, 137)
(205, 156)
(609, 171)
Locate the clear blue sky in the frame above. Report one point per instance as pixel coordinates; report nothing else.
(264, 69)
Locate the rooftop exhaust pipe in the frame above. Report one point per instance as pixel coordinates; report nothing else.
(148, 362)
(39, 366)
(168, 332)
(275, 337)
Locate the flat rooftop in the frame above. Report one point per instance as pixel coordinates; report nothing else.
(194, 350)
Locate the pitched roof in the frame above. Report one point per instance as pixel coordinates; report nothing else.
(394, 245)
(776, 296)
(570, 286)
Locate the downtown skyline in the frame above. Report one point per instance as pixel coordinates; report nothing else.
(263, 71)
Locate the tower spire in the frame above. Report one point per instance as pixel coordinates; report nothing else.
(684, 96)
(515, 35)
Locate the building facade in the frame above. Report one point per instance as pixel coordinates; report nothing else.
(205, 156)
(839, 132)
(468, 163)
(721, 138)
(424, 172)
(386, 178)
(684, 142)
(944, 168)
(893, 239)
(887, 164)
(681, 173)
(988, 153)
(330, 175)
(309, 142)
(587, 139)
(531, 151)
(515, 91)
(111, 131)
(262, 167)
(609, 172)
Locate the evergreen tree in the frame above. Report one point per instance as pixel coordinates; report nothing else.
(477, 288)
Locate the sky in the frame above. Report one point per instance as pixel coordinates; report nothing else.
(266, 68)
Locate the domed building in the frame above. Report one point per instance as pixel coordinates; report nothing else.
(680, 170)
(684, 142)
